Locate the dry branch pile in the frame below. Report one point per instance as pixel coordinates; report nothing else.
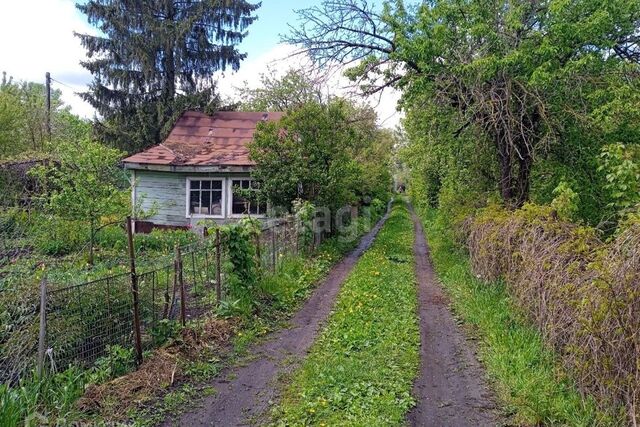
(583, 294)
(163, 369)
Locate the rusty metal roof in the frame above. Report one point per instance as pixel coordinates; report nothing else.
(201, 140)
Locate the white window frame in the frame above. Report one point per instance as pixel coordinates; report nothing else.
(223, 200)
(230, 189)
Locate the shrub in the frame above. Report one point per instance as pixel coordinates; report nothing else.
(583, 294)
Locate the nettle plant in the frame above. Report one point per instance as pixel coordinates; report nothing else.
(304, 211)
(238, 242)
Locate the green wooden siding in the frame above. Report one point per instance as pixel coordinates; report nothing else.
(167, 192)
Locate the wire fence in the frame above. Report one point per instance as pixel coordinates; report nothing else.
(75, 325)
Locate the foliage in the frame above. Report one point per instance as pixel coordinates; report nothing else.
(334, 154)
(565, 202)
(511, 97)
(304, 212)
(621, 165)
(360, 370)
(163, 331)
(35, 397)
(293, 90)
(155, 59)
(525, 374)
(84, 184)
(23, 126)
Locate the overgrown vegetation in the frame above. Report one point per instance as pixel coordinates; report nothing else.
(335, 155)
(523, 370)
(361, 368)
(516, 102)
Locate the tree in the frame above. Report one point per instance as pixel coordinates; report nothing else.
(519, 76)
(294, 89)
(85, 185)
(154, 59)
(23, 130)
(313, 142)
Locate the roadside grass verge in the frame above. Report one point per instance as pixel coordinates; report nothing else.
(528, 380)
(360, 370)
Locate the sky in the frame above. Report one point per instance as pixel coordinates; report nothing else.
(36, 36)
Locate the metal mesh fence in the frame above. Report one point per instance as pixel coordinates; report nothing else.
(83, 320)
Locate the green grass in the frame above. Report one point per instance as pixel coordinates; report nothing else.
(361, 369)
(526, 376)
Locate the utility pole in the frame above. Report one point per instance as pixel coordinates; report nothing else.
(48, 103)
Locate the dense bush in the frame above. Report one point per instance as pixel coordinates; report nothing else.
(582, 293)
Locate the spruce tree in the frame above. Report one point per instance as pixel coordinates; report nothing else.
(154, 59)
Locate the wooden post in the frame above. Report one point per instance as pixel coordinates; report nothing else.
(42, 336)
(218, 267)
(183, 294)
(273, 248)
(48, 104)
(134, 291)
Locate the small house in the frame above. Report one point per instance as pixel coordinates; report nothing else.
(196, 172)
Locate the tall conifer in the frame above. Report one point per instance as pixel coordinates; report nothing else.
(153, 59)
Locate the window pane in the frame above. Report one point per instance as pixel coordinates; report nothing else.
(194, 201)
(262, 208)
(206, 185)
(195, 185)
(238, 206)
(216, 185)
(206, 202)
(216, 202)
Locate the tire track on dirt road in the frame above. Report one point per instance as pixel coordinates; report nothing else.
(450, 389)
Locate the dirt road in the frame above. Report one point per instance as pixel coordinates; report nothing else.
(450, 389)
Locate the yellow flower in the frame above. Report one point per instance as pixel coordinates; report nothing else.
(311, 410)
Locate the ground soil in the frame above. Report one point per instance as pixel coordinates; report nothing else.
(244, 394)
(450, 390)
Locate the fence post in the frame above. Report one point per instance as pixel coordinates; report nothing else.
(218, 267)
(258, 254)
(42, 336)
(183, 302)
(273, 248)
(134, 291)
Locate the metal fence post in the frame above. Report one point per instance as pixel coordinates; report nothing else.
(218, 267)
(183, 302)
(42, 336)
(134, 290)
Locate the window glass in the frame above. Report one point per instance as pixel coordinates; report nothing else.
(240, 205)
(205, 197)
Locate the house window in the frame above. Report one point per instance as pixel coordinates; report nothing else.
(242, 206)
(206, 197)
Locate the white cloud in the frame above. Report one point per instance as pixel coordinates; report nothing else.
(280, 58)
(37, 36)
